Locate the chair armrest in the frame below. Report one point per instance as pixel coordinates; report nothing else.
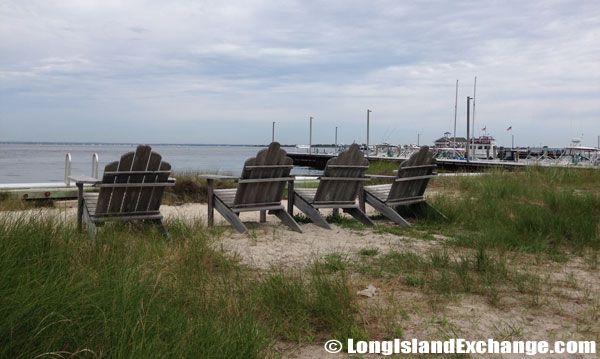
(84, 179)
(307, 177)
(380, 176)
(219, 177)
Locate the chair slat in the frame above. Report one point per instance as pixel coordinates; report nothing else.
(106, 193)
(151, 176)
(118, 194)
(140, 163)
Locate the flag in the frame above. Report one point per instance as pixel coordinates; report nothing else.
(483, 129)
(508, 129)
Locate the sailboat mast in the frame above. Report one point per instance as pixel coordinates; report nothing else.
(455, 109)
(474, 95)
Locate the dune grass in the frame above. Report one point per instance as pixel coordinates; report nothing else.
(439, 273)
(131, 293)
(536, 209)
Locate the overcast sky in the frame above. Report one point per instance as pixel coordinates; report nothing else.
(222, 71)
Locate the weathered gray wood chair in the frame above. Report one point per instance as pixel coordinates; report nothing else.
(131, 189)
(339, 187)
(260, 188)
(408, 188)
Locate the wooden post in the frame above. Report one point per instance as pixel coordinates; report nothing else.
(337, 149)
(263, 216)
(310, 137)
(79, 206)
(210, 201)
(290, 203)
(368, 124)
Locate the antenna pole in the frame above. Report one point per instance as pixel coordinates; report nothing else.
(273, 133)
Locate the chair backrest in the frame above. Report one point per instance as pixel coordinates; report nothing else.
(263, 178)
(342, 178)
(134, 184)
(413, 176)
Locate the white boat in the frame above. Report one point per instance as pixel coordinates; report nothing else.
(483, 147)
(577, 155)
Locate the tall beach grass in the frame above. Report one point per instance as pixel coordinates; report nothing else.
(130, 293)
(536, 209)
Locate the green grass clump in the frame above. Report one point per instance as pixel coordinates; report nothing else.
(536, 209)
(300, 304)
(383, 167)
(370, 252)
(130, 293)
(189, 187)
(440, 274)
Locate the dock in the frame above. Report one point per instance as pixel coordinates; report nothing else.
(49, 190)
(318, 161)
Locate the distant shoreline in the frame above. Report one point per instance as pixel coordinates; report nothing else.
(151, 144)
(133, 143)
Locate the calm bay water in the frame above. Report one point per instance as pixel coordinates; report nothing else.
(23, 163)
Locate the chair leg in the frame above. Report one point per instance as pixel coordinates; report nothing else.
(263, 216)
(426, 204)
(310, 212)
(163, 228)
(286, 219)
(229, 215)
(80, 205)
(210, 202)
(387, 211)
(290, 202)
(359, 215)
(91, 226)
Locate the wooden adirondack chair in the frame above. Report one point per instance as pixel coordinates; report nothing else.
(339, 187)
(260, 188)
(407, 189)
(131, 189)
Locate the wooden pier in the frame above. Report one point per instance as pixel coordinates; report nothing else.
(318, 161)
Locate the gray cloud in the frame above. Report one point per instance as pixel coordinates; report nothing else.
(188, 71)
